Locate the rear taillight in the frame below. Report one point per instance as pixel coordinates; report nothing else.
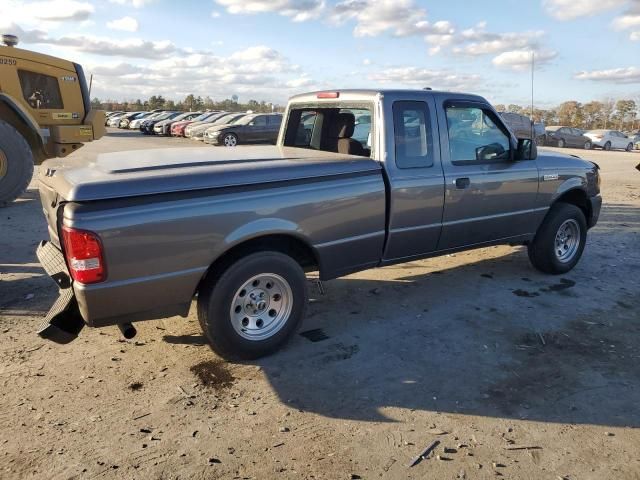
(83, 251)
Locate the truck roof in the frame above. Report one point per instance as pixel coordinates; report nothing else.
(371, 94)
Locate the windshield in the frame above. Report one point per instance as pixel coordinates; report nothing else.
(182, 116)
(245, 120)
(229, 118)
(204, 116)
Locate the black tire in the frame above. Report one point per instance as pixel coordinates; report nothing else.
(629, 147)
(561, 143)
(16, 164)
(232, 140)
(588, 145)
(607, 146)
(216, 295)
(542, 249)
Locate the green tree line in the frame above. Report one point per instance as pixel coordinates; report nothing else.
(609, 114)
(191, 103)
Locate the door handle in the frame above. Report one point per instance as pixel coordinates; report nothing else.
(462, 183)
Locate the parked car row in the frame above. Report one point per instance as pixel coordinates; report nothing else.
(214, 127)
(561, 136)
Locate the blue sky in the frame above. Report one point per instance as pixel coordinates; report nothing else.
(270, 49)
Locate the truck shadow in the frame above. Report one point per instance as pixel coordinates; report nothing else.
(492, 338)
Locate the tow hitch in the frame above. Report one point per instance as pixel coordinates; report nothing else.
(63, 323)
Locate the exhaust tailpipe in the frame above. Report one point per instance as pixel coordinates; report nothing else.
(128, 330)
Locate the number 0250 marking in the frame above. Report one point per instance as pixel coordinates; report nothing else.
(8, 61)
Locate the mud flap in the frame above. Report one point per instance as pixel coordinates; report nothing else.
(63, 323)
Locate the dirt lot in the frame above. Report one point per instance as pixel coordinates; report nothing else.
(517, 374)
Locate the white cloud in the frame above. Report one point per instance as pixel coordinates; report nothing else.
(127, 24)
(301, 82)
(635, 36)
(259, 72)
(297, 10)
(423, 77)
(43, 12)
(366, 61)
(626, 21)
(477, 41)
(374, 17)
(521, 59)
(125, 47)
(133, 3)
(571, 9)
(615, 75)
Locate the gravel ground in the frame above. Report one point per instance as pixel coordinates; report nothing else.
(515, 374)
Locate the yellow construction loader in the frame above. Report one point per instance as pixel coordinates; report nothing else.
(45, 112)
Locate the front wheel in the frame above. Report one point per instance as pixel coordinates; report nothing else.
(607, 146)
(561, 143)
(16, 164)
(254, 306)
(230, 140)
(559, 242)
(629, 147)
(587, 146)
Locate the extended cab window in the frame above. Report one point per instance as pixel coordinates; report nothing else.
(474, 135)
(340, 129)
(40, 91)
(412, 133)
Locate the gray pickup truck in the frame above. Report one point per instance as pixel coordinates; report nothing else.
(358, 179)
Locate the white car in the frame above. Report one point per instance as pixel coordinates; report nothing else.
(608, 139)
(135, 124)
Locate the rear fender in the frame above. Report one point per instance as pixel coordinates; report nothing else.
(262, 227)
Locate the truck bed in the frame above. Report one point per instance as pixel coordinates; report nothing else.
(149, 172)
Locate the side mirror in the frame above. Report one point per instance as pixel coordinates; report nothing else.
(527, 149)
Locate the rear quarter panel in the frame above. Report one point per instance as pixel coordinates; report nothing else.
(158, 248)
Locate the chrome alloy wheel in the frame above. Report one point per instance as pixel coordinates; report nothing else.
(261, 307)
(230, 140)
(567, 241)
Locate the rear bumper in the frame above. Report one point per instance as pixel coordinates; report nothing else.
(102, 305)
(63, 322)
(596, 206)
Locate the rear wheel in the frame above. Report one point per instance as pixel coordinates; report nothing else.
(629, 147)
(559, 242)
(254, 306)
(16, 164)
(607, 146)
(587, 145)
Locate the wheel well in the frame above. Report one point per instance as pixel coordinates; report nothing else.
(578, 198)
(297, 249)
(34, 140)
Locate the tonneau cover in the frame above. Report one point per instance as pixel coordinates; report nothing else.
(148, 172)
